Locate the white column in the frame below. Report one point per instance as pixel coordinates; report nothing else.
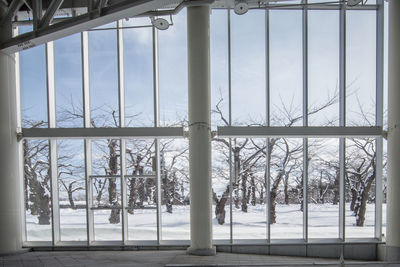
(198, 26)
(10, 208)
(393, 186)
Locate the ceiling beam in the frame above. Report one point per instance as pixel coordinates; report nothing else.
(12, 10)
(51, 10)
(124, 9)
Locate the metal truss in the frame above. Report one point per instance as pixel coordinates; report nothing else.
(56, 19)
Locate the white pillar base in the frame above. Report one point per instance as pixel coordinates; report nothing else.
(392, 253)
(202, 252)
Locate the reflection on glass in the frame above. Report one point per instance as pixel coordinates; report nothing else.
(323, 188)
(286, 59)
(71, 183)
(37, 190)
(248, 67)
(138, 63)
(103, 78)
(361, 68)
(323, 68)
(286, 178)
(141, 190)
(175, 206)
(360, 187)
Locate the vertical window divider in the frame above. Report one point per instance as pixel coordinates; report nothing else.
(156, 103)
(121, 104)
(379, 117)
(230, 124)
(87, 142)
(268, 124)
(51, 116)
(342, 118)
(305, 119)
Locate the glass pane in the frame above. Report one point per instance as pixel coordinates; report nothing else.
(104, 230)
(33, 87)
(138, 62)
(323, 61)
(175, 209)
(173, 72)
(141, 190)
(103, 78)
(37, 190)
(323, 188)
(360, 187)
(68, 81)
(249, 208)
(219, 67)
(384, 178)
(286, 178)
(106, 191)
(286, 68)
(248, 67)
(361, 68)
(72, 196)
(220, 189)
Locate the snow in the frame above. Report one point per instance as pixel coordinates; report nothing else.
(142, 225)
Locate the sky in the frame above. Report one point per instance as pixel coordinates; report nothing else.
(248, 69)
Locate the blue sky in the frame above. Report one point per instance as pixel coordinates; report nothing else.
(248, 68)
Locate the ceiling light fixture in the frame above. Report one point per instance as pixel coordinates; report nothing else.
(241, 7)
(159, 23)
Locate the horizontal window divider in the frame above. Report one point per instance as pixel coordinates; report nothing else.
(143, 176)
(141, 208)
(106, 208)
(299, 132)
(103, 133)
(104, 176)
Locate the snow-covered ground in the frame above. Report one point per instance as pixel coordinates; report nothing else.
(323, 223)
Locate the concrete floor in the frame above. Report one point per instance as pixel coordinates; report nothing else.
(166, 258)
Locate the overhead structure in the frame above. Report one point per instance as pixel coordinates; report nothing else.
(56, 19)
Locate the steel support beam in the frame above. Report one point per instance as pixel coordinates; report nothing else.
(12, 10)
(299, 132)
(51, 10)
(101, 133)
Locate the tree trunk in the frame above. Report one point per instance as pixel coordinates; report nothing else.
(262, 195)
(335, 200)
(360, 218)
(273, 207)
(253, 191)
(244, 192)
(285, 190)
(112, 186)
(353, 199)
(220, 206)
(70, 198)
(132, 195)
